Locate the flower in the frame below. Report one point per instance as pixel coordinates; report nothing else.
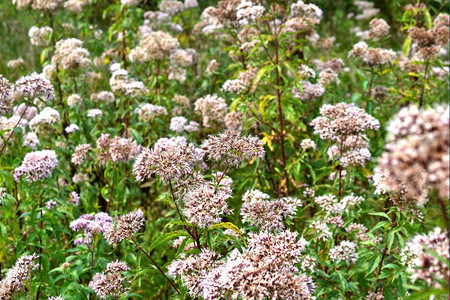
(177, 124)
(74, 198)
(72, 128)
(93, 113)
(308, 144)
(422, 250)
(378, 28)
(116, 149)
(40, 36)
(266, 269)
(69, 54)
(321, 230)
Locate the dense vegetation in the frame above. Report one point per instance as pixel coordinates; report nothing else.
(234, 149)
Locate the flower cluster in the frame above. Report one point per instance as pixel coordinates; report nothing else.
(212, 108)
(423, 253)
(149, 111)
(309, 91)
(16, 278)
(80, 153)
(171, 159)
(154, 46)
(233, 148)
(266, 269)
(417, 153)
(122, 84)
(428, 42)
(39, 36)
(90, 225)
(45, 120)
(35, 86)
(345, 124)
(372, 56)
(69, 54)
(345, 251)
(116, 149)
(6, 95)
(126, 226)
(267, 214)
(110, 283)
(36, 165)
(203, 206)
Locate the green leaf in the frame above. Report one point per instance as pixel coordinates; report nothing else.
(381, 214)
(229, 225)
(259, 75)
(166, 237)
(428, 21)
(427, 293)
(406, 46)
(374, 265)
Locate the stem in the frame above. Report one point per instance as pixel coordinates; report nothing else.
(75, 82)
(40, 240)
(444, 213)
(372, 77)
(223, 174)
(425, 79)
(175, 202)
(124, 42)
(280, 115)
(195, 237)
(110, 195)
(156, 265)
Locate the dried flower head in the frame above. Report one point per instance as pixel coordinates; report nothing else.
(378, 28)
